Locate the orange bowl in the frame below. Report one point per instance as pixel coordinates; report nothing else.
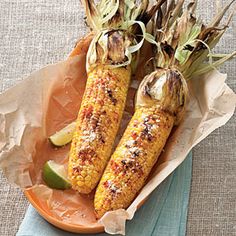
(75, 70)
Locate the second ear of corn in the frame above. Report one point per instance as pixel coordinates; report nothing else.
(133, 159)
(97, 125)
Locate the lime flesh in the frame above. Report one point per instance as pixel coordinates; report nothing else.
(64, 136)
(55, 176)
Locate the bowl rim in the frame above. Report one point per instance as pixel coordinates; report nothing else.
(60, 224)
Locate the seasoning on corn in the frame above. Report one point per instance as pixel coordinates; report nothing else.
(143, 140)
(109, 70)
(183, 47)
(97, 125)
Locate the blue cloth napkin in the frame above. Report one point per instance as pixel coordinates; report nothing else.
(164, 214)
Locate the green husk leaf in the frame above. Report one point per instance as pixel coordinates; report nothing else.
(151, 39)
(190, 39)
(203, 69)
(113, 5)
(92, 52)
(181, 53)
(121, 30)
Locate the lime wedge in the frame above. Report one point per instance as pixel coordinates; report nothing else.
(63, 136)
(55, 176)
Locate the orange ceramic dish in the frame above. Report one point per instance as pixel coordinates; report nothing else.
(54, 119)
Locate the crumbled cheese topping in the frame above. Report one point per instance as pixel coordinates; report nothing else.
(89, 136)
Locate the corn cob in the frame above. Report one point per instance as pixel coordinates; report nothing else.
(142, 141)
(97, 125)
(109, 69)
(133, 159)
(183, 47)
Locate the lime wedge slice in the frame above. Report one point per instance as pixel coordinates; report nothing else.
(63, 136)
(55, 176)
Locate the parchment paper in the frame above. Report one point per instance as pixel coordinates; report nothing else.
(50, 98)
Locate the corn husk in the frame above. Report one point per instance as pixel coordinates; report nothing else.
(184, 42)
(120, 30)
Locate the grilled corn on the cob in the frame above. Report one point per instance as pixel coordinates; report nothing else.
(183, 47)
(97, 125)
(109, 69)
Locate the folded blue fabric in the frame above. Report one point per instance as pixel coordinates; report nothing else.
(165, 212)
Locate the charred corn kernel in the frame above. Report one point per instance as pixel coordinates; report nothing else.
(83, 174)
(97, 125)
(79, 178)
(80, 183)
(133, 159)
(160, 104)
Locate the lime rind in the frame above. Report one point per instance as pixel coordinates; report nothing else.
(64, 136)
(55, 176)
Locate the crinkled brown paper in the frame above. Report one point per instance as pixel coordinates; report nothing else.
(50, 98)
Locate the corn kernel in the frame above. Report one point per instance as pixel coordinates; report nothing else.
(79, 178)
(88, 178)
(80, 183)
(83, 173)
